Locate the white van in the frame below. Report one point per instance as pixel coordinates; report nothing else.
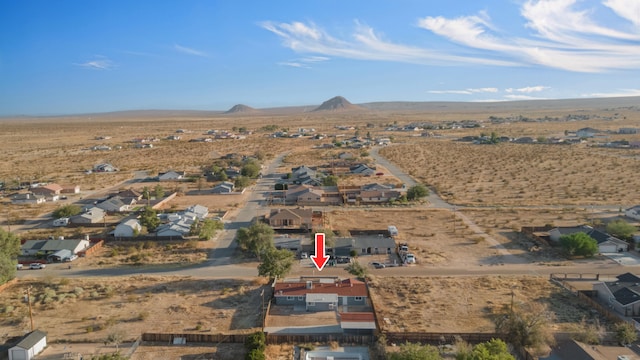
(61, 222)
(393, 231)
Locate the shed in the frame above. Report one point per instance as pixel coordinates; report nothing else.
(30, 346)
(59, 255)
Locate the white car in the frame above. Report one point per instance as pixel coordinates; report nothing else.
(410, 259)
(19, 267)
(37, 266)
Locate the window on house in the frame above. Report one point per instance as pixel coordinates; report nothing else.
(290, 298)
(358, 298)
(311, 304)
(300, 298)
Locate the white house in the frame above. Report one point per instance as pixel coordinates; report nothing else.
(127, 228)
(28, 198)
(93, 215)
(196, 211)
(30, 346)
(606, 242)
(32, 247)
(171, 176)
(224, 187)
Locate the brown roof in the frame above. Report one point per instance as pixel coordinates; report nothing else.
(357, 317)
(291, 213)
(348, 287)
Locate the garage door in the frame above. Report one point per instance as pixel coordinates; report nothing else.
(607, 248)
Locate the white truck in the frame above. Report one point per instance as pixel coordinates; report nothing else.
(393, 231)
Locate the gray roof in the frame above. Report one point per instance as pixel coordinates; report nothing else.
(626, 290)
(55, 245)
(33, 338)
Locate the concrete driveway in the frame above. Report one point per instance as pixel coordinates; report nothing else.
(624, 258)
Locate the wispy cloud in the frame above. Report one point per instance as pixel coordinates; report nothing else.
(563, 34)
(528, 89)
(522, 97)
(99, 62)
(466, 91)
(363, 44)
(619, 93)
(189, 51)
(304, 62)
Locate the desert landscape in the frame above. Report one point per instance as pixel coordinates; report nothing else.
(491, 191)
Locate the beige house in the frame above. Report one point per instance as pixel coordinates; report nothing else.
(290, 218)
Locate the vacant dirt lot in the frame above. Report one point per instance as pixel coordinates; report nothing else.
(466, 304)
(434, 236)
(90, 310)
(517, 174)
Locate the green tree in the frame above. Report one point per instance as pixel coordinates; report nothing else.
(579, 244)
(330, 180)
(67, 211)
(256, 239)
(621, 229)
(417, 191)
(411, 351)
(494, 349)
(356, 269)
(158, 192)
(149, 219)
(242, 182)
(276, 263)
(9, 250)
(250, 170)
(255, 354)
(146, 194)
(209, 228)
(257, 340)
(526, 325)
(625, 333)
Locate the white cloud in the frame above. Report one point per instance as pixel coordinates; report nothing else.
(522, 97)
(528, 89)
(465, 91)
(619, 93)
(363, 44)
(563, 34)
(98, 63)
(189, 51)
(304, 62)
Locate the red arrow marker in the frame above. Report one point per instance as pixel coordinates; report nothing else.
(319, 258)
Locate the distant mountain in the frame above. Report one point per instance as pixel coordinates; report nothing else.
(337, 103)
(240, 108)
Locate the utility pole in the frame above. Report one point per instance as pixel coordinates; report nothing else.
(29, 302)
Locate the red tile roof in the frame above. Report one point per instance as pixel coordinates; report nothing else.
(357, 317)
(348, 287)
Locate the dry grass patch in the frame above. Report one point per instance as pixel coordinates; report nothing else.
(516, 174)
(87, 310)
(466, 304)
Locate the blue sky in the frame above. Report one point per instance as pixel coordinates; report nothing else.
(62, 57)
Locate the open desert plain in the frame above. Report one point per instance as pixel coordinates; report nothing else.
(490, 171)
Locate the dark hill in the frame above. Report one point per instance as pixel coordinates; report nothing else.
(337, 103)
(240, 108)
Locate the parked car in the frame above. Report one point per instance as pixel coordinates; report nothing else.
(410, 259)
(70, 258)
(37, 266)
(304, 255)
(61, 222)
(378, 265)
(19, 267)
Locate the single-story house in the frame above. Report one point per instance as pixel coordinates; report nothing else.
(587, 132)
(196, 211)
(362, 169)
(32, 247)
(127, 228)
(364, 245)
(93, 215)
(622, 295)
(286, 242)
(572, 350)
(117, 204)
(48, 190)
(59, 255)
(290, 218)
(171, 176)
(606, 242)
(326, 195)
(321, 295)
(30, 346)
(28, 198)
(292, 192)
(130, 193)
(224, 187)
(173, 230)
(70, 189)
(378, 196)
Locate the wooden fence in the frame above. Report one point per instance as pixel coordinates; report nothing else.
(439, 338)
(273, 339)
(195, 338)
